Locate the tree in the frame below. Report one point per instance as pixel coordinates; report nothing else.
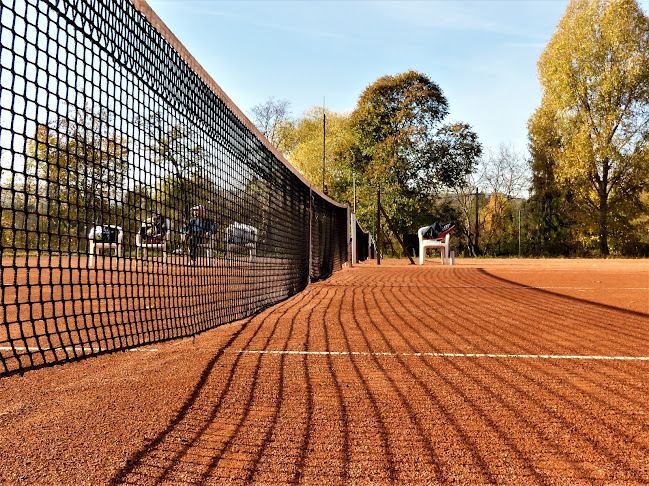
(74, 178)
(504, 175)
(176, 163)
(400, 142)
(550, 203)
(595, 77)
(273, 119)
(501, 177)
(309, 143)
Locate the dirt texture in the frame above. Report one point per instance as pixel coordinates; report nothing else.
(484, 372)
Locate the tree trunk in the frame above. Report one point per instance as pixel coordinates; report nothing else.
(603, 222)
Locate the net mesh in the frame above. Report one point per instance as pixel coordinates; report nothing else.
(138, 204)
(362, 243)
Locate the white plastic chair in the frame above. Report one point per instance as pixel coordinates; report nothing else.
(144, 247)
(251, 235)
(441, 243)
(94, 245)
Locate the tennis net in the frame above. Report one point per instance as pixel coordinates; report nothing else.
(138, 203)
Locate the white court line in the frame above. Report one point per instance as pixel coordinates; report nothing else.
(509, 287)
(444, 355)
(76, 348)
(534, 287)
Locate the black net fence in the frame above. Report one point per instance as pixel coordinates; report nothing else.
(138, 203)
(329, 237)
(363, 242)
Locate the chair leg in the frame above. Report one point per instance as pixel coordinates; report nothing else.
(91, 254)
(422, 254)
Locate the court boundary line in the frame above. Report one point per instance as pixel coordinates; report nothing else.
(441, 355)
(501, 287)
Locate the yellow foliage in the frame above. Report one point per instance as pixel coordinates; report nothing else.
(595, 78)
(308, 147)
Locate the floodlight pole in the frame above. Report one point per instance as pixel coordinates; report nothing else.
(354, 179)
(324, 145)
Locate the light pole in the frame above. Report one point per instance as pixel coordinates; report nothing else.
(324, 145)
(519, 232)
(378, 225)
(354, 179)
(477, 221)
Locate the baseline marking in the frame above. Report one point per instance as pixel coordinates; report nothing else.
(442, 355)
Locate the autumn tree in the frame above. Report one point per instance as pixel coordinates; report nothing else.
(74, 178)
(313, 141)
(400, 141)
(175, 158)
(595, 78)
(551, 206)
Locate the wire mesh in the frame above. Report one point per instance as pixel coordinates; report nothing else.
(362, 242)
(138, 204)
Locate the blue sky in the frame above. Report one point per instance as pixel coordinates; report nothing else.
(482, 53)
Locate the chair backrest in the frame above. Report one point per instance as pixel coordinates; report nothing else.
(241, 234)
(140, 237)
(421, 231)
(106, 233)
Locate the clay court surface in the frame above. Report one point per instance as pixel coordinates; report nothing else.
(485, 372)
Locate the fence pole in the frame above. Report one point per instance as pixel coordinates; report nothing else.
(353, 240)
(324, 147)
(378, 225)
(350, 238)
(519, 232)
(310, 232)
(477, 222)
(354, 193)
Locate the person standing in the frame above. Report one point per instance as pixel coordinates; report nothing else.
(198, 231)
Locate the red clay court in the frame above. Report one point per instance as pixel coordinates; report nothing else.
(485, 372)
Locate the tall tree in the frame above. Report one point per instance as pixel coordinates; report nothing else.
(595, 77)
(74, 177)
(500, 179)
(504, 174)
(174, 150)
(273, 119)
(399, 141)
(313, 142)
(551, 203)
